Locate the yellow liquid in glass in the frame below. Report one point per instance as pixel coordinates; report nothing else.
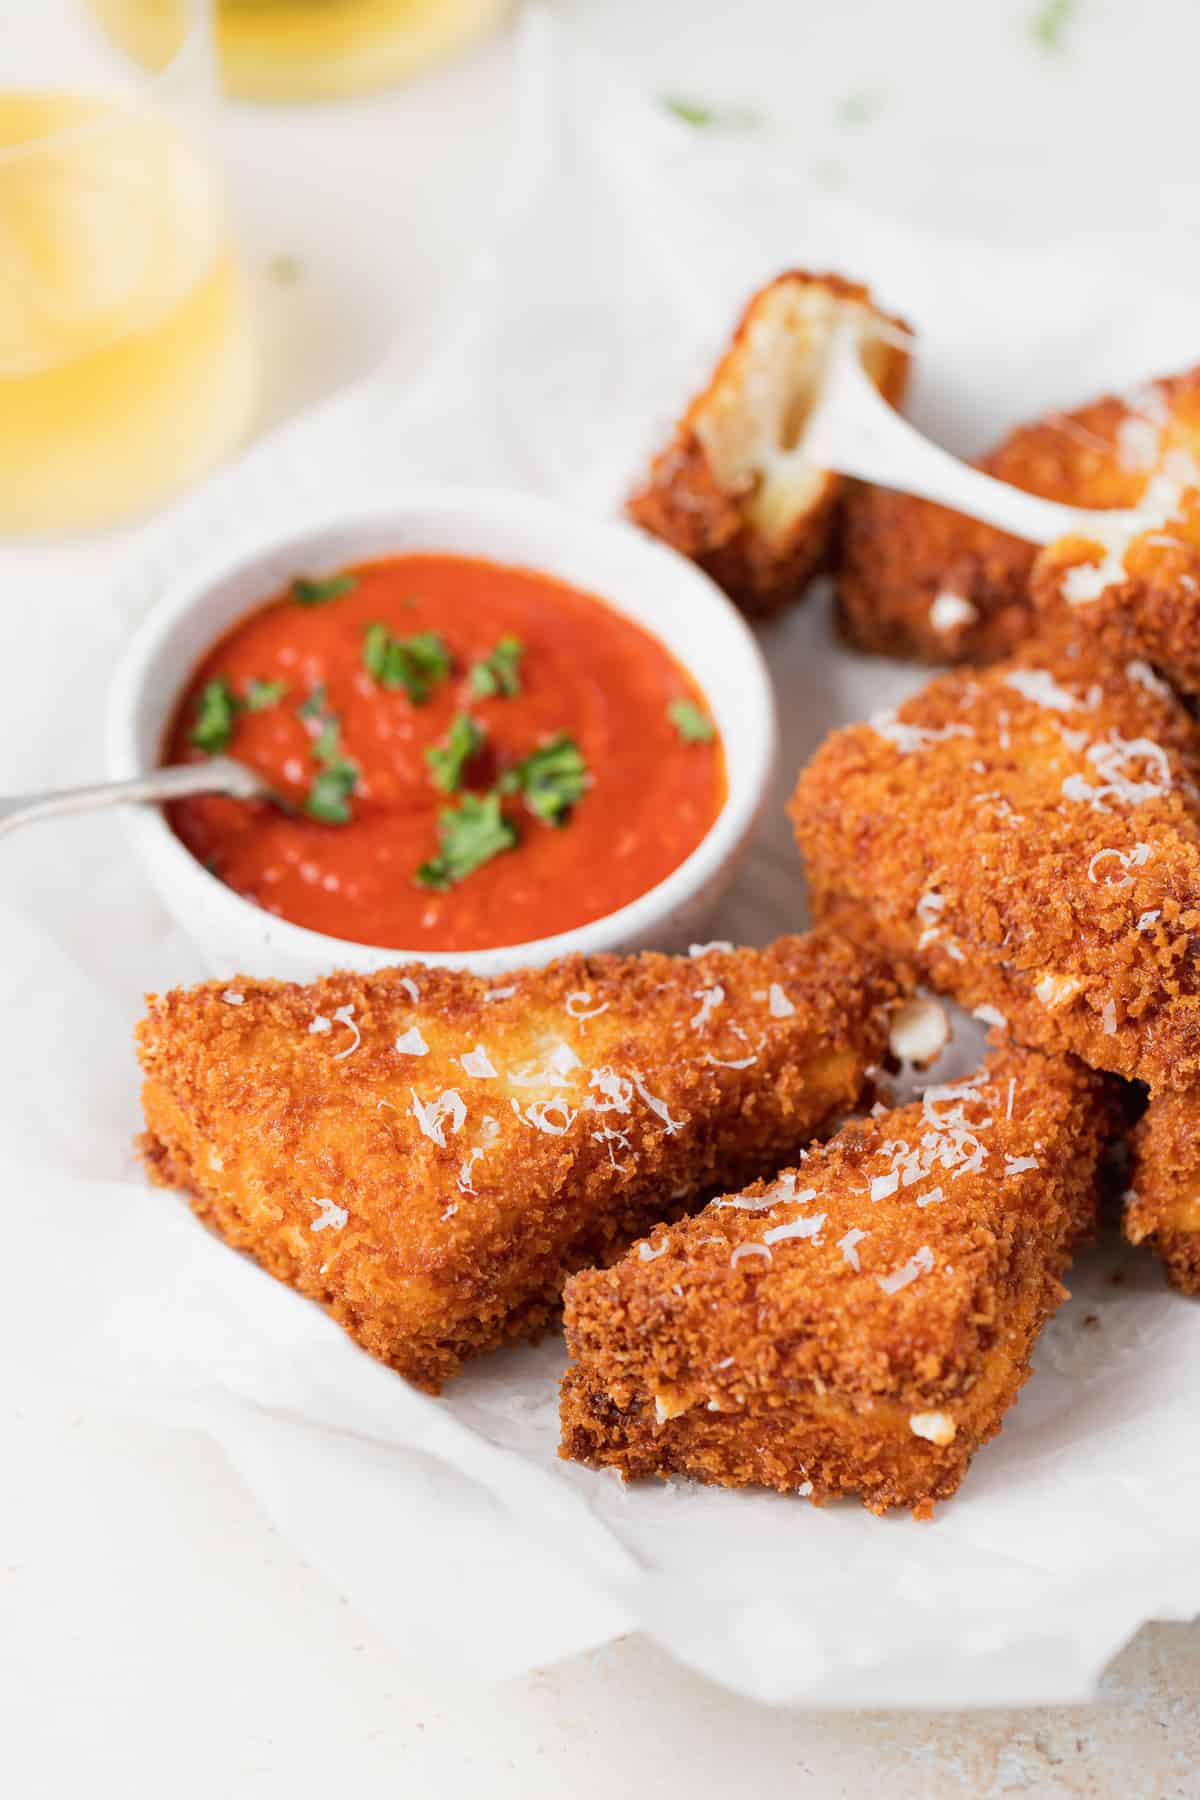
(309, 49)
(126, 359)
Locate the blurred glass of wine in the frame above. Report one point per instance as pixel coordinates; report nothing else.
(127, 362)
(309, 49)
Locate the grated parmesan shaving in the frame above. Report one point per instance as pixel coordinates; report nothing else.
(1040, 687)
(911, 738)
(991, 1015)
(919, 1263)
(796, 1228)
(579, 1005)
(710, 998)
(1017, 1165)
(749, 1250)
(703, 949)
(541, 1116)
(231, 997)
(1128, 859)
(430, 1115)
(646, 1254)
(333, 1217)
(411, 988)
(847, 1246)
(779, 1006)
(478, 1064)
(411, 1043)
(504, 993)
(345, 1016)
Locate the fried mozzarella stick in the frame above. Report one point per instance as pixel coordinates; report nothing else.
(1162, 1207)
(860, 1324)
(429, 1155)
(1030, 836)
(1144, 590)
(919, 581)
(733, 489)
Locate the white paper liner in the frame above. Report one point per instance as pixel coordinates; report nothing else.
(624, 245)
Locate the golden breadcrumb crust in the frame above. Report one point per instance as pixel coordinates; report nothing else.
(718, 492)
(1029, 835)
(429, 1155)
(1162, 1208)
(898, 554)
(861, 1324)
(1152, 599)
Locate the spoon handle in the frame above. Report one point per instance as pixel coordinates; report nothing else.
(856, 432)
(219, 775)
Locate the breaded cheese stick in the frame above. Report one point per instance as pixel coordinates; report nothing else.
(1162, 1208)
(1030, 836)
(733, 490)
(429, 1155)
(916, 580)
(860, 1324)
(1143, 590)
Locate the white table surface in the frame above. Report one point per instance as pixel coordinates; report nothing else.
(156, 1635)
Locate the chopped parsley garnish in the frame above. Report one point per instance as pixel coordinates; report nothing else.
(262, 694)
(706, 117)
(693, 726)
(328, 797)
(448, 761)
(469, 835)
(1049, 23)
(412, 663)
(328, 741)
(307, 592)
(216, 713)
(552, 778)
(858, 109)
(499, 673)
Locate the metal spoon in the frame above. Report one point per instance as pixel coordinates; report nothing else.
(852, 430)
(220, 775)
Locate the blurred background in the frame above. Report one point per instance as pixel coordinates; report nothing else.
(269, 194)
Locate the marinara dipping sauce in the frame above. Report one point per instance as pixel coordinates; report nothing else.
(477, 755)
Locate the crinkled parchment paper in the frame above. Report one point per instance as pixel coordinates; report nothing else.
(623, 243)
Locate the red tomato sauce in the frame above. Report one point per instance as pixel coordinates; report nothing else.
(585, 671)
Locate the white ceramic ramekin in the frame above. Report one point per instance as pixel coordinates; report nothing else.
(638, 576)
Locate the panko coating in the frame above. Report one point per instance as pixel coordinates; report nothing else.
(429, 1155)
(1029, 835)
(733, 490)
(862, 1323)
(1146, 586)
(1162, 1208)
(916, 580)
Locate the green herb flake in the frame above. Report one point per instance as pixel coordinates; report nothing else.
(711, 118)
(216, 715)
(260, 695)
(858, 109)
(413, 663)
(327, 744)
(328, 799)
(1048, 25)
(498, 673)
(469, 835)
(448, 762)
(552, 778)
(316, 705)
(307, 592)
(693, 725)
